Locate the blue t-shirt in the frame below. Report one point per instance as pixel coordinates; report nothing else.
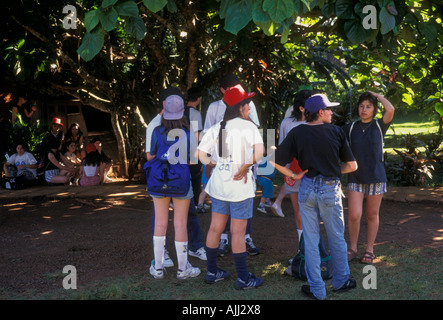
(366, 143)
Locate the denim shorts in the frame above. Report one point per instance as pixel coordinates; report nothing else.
(189, 195)
(237, 210)
(371, 189)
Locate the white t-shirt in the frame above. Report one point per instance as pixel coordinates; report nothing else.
(25, 159)
(195, 119)
(241, 136)
(90, 170)
(287, 125)
(151, 126)
(216, 112)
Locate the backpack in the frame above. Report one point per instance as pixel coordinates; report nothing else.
(298, 262)
(164, 178)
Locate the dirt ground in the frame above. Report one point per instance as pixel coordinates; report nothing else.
(110, 237)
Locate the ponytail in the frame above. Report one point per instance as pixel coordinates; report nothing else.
(230, 113)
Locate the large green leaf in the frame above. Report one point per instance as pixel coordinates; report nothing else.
(107, 3)
(91, 45)
(155, 5)
(268, 27)
(258, 14)
(278, 10)
(387, 21)
(345, 9)
(136, 27)
(237, 14)
(439, 108)
(128, 9)
(91, 20)
(108, 18)
(356, 32)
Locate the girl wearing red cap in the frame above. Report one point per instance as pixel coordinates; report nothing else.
(234, 144)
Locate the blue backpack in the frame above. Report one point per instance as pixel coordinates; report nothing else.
(164, 177)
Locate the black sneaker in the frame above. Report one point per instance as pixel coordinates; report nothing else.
(251, 249)
(348, 285)
(306, 290)
(223, 247)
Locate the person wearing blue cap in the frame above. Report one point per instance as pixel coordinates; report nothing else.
(323, 153)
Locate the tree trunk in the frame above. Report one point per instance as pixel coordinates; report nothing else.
(120, 144)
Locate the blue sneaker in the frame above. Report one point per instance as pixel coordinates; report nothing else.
(220, 275)
(250, 283)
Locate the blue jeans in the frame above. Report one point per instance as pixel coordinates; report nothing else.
(320, 199)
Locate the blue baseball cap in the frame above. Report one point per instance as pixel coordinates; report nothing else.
(318, 102)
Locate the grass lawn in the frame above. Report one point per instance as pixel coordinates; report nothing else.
(414, 125)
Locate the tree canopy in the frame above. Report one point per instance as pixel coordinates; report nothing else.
(117, 55)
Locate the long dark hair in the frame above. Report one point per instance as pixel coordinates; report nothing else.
(69, 133)
(230, 113)
(92, 159)
(175, 124)
(299, 101)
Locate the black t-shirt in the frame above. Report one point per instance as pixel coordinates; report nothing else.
(318, 148)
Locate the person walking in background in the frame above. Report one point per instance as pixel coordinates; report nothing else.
(265, 181)
(366, 141)
(234, 145)
(323, 154)
(296, 118)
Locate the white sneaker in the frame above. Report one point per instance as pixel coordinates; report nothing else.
(200, 253)
(189, 272)
(276, 210)
(156, 273)
(167, 261)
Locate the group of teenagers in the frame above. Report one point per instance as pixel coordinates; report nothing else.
(66, 160)
(229, 146)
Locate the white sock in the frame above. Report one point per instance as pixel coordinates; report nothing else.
(299, 233)
(182, 254)
(247, 236)
(224, 236)
(159, 251)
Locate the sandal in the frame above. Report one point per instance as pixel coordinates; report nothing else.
(351, 255)
(368, 258)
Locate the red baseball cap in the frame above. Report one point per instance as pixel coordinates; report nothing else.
(57, 121)
(236, 94)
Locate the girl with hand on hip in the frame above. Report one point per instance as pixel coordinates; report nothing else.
(234, 144)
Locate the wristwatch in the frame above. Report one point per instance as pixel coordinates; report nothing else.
(293, 176)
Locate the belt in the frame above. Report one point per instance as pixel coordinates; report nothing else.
(325, 180)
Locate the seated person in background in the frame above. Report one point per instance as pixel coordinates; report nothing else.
(75, 134)
(69, 153)
(20, 169)
(57, 168)
(104, 158)
(92, 168)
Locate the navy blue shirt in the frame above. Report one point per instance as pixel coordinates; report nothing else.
(318, 148)
(366, 142)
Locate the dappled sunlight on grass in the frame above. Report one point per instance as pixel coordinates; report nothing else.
(271, 269)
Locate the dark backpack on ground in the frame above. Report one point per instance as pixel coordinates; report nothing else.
(298, 262)
(164, 178)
